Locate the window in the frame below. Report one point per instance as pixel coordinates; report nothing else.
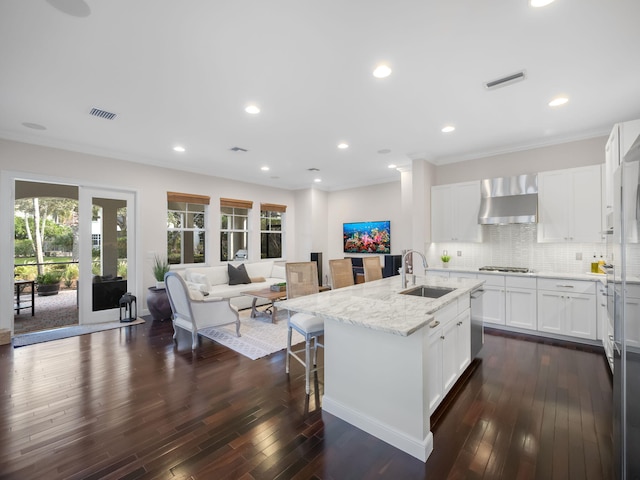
(234, 229)
(186, 228)
(271, 227)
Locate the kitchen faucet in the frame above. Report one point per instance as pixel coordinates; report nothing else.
(403, 273)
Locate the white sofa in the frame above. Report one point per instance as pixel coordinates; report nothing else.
(215, 280)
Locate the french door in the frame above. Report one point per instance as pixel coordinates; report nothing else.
(107, 252)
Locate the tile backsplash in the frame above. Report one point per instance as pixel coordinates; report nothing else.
(517, 246)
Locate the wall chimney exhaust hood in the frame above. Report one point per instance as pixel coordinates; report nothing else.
(509, 200)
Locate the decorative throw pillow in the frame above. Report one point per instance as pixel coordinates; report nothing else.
(238, 276)
(202, 279)
(258, 279)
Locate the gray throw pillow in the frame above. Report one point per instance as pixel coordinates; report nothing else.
(238, 276)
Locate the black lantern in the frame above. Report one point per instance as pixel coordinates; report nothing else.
(128, 308)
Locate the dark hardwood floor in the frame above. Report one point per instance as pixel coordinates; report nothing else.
(127, 404)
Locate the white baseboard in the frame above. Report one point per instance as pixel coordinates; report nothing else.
(418, 448)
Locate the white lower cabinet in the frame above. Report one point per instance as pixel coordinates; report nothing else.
(493, 300)
(567, 307)
(632, 325)
(449, 350)
(521, 302)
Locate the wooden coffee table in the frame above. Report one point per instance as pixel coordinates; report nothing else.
(268, 294)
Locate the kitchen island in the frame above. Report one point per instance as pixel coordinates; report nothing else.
(387, 365)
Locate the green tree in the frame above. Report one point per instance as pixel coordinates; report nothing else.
(37, 213)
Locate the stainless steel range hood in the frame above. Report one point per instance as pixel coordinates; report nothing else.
(509, 200)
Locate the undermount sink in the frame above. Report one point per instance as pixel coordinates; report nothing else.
(429, 292)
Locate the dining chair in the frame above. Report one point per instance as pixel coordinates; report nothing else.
(302, 279)
(341, 273)
(372, 269)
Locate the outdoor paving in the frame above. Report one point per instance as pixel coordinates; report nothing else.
(53, 311)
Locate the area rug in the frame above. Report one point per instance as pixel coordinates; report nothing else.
(66, 332)
(259, 337)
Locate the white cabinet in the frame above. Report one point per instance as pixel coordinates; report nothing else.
(449, 349)
(454, 212)
(632, 324)
(493, 300)
(521, 302)
(567, 307)
(570, 205)
(620, 140)
(463, 339)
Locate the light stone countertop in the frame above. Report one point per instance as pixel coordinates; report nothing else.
(379, 306)
(592, 277)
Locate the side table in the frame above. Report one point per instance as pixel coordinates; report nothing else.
(158, 303)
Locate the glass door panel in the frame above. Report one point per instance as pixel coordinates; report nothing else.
(107, 235)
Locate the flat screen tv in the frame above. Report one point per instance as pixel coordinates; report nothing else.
(367, 237)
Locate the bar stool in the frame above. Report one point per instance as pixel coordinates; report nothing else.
(372, 269)
(341, 273)
(302, 279)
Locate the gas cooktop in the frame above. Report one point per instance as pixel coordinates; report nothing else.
(505, 269)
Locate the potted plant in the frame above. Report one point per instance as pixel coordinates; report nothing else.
(445, 257)
(279, 287)
(48, 283)
(160, 267)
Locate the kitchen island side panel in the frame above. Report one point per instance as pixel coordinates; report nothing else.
(377, 382)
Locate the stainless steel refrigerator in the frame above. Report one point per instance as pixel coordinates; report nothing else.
(624, 287)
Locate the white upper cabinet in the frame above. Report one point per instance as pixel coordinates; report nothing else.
(570, 205)
(620, 140)
(454, 212)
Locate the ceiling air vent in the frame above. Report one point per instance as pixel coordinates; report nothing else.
(96, 112)
(239, 149)
(504, 81)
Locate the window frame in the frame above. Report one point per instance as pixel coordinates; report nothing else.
(267, 208)
(230, 231)
(202, 204)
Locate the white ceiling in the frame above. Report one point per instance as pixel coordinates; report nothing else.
(182, 72)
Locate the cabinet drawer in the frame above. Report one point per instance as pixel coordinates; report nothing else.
(521, 282)
(493, 280)
(633, 290)
(564, 285)
(463, 275)
(443, 316)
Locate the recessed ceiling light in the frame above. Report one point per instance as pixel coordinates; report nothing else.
(382, 71)
(343, 145)
(317, 180)
(392, 165)
(448, 129)
(252, 109)
(35, 126)
(264, 169)
(556, 102)
(540, 3)
(179, 149)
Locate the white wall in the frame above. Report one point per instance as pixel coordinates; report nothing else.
(29, 162)
(373, 203)
(554, 157)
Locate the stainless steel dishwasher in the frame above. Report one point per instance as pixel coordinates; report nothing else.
(477, 322)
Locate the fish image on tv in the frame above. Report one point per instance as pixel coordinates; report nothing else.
(367, 237)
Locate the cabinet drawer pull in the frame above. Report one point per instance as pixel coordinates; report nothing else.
(565, 286)
(434, 324)
(442, 337)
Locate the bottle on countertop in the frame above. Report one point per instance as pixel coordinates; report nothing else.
(594, 264)
(601, 263)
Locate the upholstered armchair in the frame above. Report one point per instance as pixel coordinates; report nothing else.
(192, 311)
